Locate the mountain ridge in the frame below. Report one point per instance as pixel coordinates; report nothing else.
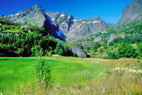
(75, 28)
(37, 16)
(60, 23)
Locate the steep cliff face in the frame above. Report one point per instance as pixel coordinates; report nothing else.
(76, 29)
(36, 16)
(82, 27)
(132, 12)
(60, 25)
(62, 20)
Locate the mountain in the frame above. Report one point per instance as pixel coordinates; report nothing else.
(62, 20)
(28, 40)
(76, 29)
(129, 26)
(36, 16)
(132, 12)
(121, 40)
(94, 34)
(61, 25)
(82, 27)
(132, 32)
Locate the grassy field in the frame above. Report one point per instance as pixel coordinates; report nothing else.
(66, 71)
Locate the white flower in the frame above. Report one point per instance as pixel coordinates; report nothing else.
(127, 70)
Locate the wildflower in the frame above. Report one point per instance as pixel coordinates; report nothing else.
(127, 70)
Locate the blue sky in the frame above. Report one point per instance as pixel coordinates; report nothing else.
(109, 10)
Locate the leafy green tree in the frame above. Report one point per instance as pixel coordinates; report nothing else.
(37, 50)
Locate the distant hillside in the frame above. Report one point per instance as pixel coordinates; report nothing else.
(131, 32)
(121, 40)
(109, 39)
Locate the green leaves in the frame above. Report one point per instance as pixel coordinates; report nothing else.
(43, 72)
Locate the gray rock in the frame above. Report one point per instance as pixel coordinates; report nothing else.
(34, 16)
(132, 12)
(77, 50)
(113, 37)
(37, 17)
(76, 29)
(81, 28)
(97, 39)
(62, 20)
(59, 24)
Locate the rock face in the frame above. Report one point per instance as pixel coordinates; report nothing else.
(60, 25)
(34, 16)
(81, 28)
(78, 51)
(132, 12)
(62, 20)
(76, 29)
(37, 17)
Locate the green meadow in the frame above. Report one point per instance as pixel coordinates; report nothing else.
(67, 72)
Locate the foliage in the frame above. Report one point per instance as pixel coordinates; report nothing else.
(43, 72)
(29, 40)
(36, 50)
(123, 50)
(116, 42)
(132, 33)
(61, 48)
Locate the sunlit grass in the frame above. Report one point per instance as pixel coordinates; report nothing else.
(65, 71)
(71, 76)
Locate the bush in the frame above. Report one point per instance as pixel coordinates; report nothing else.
(36, 50)
(139, 47)
(122, 50)
(43, 72)
(140, 64)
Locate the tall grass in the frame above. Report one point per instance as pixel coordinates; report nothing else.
(108, 83)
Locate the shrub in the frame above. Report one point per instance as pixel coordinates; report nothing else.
(140, 64)
(36, 50)
(123, 50)
(139, 47)
(43, 72)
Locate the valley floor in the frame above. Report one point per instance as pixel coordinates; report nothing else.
(74, 76)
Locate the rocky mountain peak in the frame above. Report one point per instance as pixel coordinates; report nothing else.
(132, 12)
(36, 6)
(96, 18)
(75, 29)
(59, 23)
(34, 16)
(37, 16)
